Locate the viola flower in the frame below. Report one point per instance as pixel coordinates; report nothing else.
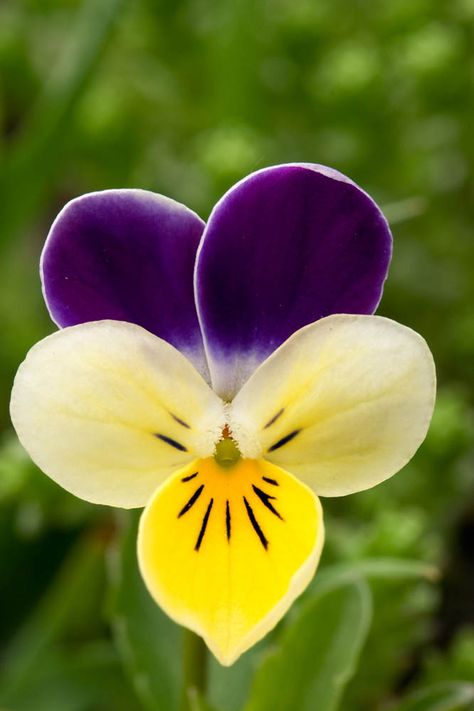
(223, 376)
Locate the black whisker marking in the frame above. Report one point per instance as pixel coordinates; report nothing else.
(227, 520)
(284, 440)
(171, 442)
(265, 499)
(255, 525)
(274, 418)
(191, 476)
(180, 421)
(191, 501)
(204, 525)
(273, 482)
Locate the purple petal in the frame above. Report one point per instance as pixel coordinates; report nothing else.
(126, 255)
(283, 248)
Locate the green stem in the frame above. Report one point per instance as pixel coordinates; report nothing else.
(195, 668)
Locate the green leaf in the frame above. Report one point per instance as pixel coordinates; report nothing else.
(318, 653)
(229, 687)
(372, 569)
(149, 642)
(31, 164)
(402, 594)
(448, 696)
(59, 606)
(197, 703)
(65, 678)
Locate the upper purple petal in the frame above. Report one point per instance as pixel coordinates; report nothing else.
(283, 248)
(126, 255)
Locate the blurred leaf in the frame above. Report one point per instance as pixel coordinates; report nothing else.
(404, 597)
(228, 687)
(404, 210)
(31, 163)
(457, 662)
(56, 610)
(197, 703)
(318, 653)
(149, 642)
(76, 680)
(374, 568)
(453, 696)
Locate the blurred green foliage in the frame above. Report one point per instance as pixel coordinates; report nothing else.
(184, 98)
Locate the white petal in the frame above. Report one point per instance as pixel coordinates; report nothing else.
(343, 404)
(108, 410)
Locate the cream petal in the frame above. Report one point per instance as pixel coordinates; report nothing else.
(343, 404)
(108, 410)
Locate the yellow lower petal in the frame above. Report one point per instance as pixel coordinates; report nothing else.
(225, 551)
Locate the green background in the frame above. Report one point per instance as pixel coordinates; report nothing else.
(185, 98)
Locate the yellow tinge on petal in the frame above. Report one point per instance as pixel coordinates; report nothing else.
(226, 550)
(109, 410)
(343, 404)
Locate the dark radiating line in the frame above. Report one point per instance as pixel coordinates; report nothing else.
(171, 442)
(191, 476)
(265, 499)
(274, 418)
(191, 501)
(273, 482)
(203, 526)
(255, 525)
(180, 421)
(284, 440)
(227, 520)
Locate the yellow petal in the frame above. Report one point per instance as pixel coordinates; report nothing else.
(108, 411)
(226, 551)
(343, 404)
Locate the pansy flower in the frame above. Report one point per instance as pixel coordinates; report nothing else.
(223, 376)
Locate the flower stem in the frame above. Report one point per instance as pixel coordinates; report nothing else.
(195, 668)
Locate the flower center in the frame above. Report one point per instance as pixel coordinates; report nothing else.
(227, 453)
